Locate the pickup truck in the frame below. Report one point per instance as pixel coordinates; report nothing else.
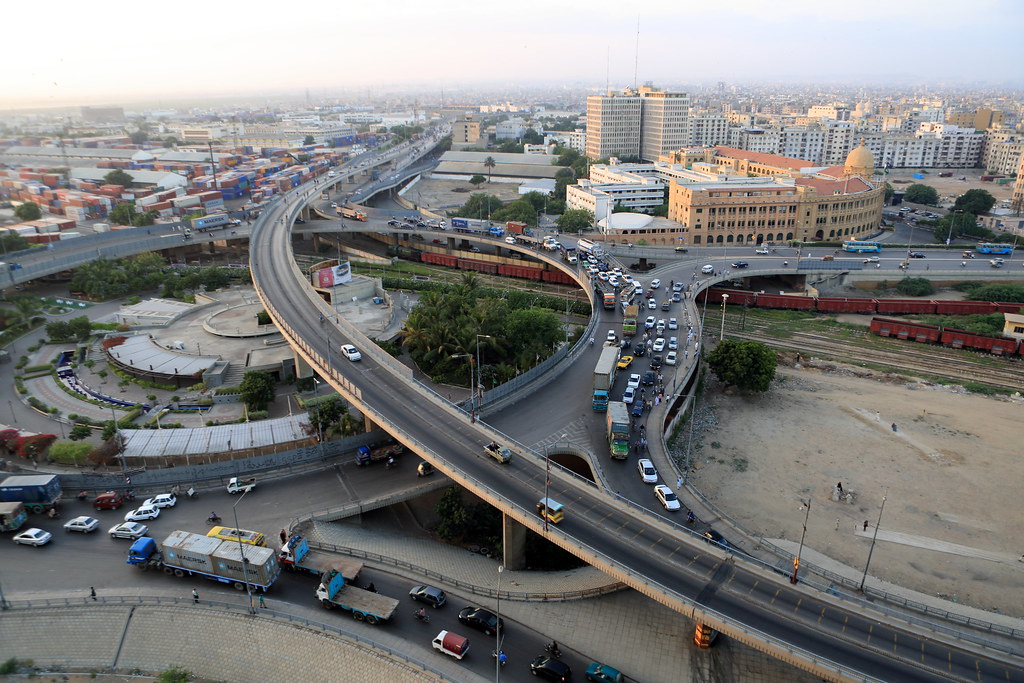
(499, 453)
(236, 485)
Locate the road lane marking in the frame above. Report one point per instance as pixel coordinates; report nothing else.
(821, 615)
(796, 605)
(753, 587)
(775, 596)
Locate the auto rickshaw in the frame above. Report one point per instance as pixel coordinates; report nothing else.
(551, 510)
(424, 469)
(968, 254)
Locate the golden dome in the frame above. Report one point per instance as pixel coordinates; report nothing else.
(860, 161)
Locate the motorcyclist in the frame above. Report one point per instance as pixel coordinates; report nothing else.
(214, 517)
(421, 613)
(785, 263)
(391, 461)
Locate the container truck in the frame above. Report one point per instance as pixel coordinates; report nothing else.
(354, 214)
(373, 608)
(460, 223)
(38, 492)
(605, 293)
(618, 430)
(187, 554)
(216, 220)
(296, 556)
(517, 227)
(588, 247)
(604, 377)
(629, 318)
(12, 516)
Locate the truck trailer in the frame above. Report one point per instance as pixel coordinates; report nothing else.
(629, 318)
(618, 430)
(187, 554)
(37, 492)
(604, 377)
(349, 212)
(296, 556)
(373, 608)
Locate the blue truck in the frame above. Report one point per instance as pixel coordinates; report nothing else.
(337, 591)
(187, 554)
(37, 492)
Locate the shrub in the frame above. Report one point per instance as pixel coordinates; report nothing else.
(68, 453)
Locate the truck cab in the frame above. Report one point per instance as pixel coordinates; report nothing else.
(141, 550)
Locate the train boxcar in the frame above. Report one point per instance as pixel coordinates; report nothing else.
(964, 307)
(886, 327)
(520, 271)
(905, 306)
(960, 339)
(441, 259)
(558, 277)
(740, 297)
(799, 303)
(842, 305)
(479, 266)
(1008, 307)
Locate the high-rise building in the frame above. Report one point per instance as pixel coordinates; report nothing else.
(664, 122)
(647, 122)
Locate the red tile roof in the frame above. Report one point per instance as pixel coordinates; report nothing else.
(836, 172)
(763, 158)
(824, 186)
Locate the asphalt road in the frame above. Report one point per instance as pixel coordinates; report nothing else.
(671, 565)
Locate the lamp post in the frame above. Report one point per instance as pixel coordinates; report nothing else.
(725, 298)
(478, 390)
(952, 221)
(472, 403)
(800, 550)
(497, 630)
(241, 552)
(872, 549)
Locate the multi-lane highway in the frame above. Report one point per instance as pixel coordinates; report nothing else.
(658, 559)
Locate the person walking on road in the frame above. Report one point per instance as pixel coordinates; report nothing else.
(263, 604)
(92, 592)
(284, 536)
(195, 597)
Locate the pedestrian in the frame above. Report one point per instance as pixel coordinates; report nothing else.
(263, 604)
(878, 416)
(865, 525)
(284, 536)
(837, 524)
(92, 592)
(195, 595)
(894, 427)
(839, 485)
(679, 482)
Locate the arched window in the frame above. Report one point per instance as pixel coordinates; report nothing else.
(819, 235)
(831, 233)
(778, 238)
(718, 239)
(728, 239)
(789, 235)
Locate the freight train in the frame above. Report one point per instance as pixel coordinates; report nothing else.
(480, 266)
(947, 336)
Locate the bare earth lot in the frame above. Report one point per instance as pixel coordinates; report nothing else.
(951, 475)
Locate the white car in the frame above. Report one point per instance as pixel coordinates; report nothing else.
(672, 358)
(673, 324)
(130, 530)
(649, 323)
(708, 269)
(603, 275)
(629, 395)
(83, 524)
(673, 344)
(655, 284)
(164, 500)
(613, 280)
(510, 240)
(763, 251)
(647, 472)
(652, 304)
(351, 352)
(33, 536)
(634, 382)
(142, 513)
(611, 336)
(659, 345)
(666, 497)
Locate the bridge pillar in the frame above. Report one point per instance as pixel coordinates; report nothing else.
(302, 368)
(513, 543)
(368, 424)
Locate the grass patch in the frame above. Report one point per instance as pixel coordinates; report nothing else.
(740, 464)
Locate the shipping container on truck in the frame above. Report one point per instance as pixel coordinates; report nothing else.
(517, 227)
(618, 430)
(604, 377)
(629, 318)
(186, 554)
(38, 492)
(373, 608)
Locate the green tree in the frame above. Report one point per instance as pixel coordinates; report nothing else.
(139, 136)
(12, 241)
(575, 220)
(122, 214)
(308, 140)
(325, 414)
(746, 365)
(959, 225)
(489, 164)
(537, 199)
(118, 177)
(477, 179)
(57, 331)
(257, 389)
(532, 137)
(919, 193)
(480, 205)
(888, 193)
(1008, 293)
(519, 210)
(144, 219)
(915, 286)
(453, 516)
(974, 202)
(28, 211)
(79, 432)
(510, 147)
(170, 141)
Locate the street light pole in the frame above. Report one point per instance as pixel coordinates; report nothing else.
(725, 298)
(497, 630)
(241, 552)
(952, 221)
(872, 549)
(800, 550)
(479, 375)
(472, 401)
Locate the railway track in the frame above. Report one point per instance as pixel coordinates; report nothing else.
(930, 361)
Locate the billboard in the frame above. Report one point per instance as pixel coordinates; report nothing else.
(337, 275)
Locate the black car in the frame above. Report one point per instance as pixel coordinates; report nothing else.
(550, 668)
(639, 350)
(435, 597)
(740, 264)
(649, 378)
(655, 362)
(394, 224)
(713, 536)
(481, 620)
(682, 250)
(915, 254)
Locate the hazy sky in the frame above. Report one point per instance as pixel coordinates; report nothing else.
(66, 53)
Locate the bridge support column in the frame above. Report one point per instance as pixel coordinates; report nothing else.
(302, 368)
(368, 424)
(513, 543)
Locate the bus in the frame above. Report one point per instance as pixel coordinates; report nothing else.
(854, 245)
(993, 248)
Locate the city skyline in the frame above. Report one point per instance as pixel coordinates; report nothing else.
(110, 56)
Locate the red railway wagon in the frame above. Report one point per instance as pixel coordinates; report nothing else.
(960, 339)
(842, 305)
(887, 327)
(1008, 307)
(479, 266)
(559, 277)
(520, 271)
(964, 307)
(712, 295)
(905, 306)
(440, 259)
(799, 303)
(742, 298)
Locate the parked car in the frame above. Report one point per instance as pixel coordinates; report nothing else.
(142, 513)
(33, 536)
(130, 530)
(481, 619)
(550, 668)
(435, 597)
(82, 524)
(648, 473)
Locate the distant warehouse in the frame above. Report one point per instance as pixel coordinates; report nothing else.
(508, 168)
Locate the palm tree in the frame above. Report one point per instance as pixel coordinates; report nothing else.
(489, 164)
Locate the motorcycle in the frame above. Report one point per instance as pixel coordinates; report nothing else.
(421, 615)
(552, 649)
(213, 519)
(500, 656)
(390, 464)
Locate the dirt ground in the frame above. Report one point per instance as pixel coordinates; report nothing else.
(951, 188)
(950, 477)
(441, 194)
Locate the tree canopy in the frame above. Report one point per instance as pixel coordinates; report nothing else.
(29, 211)
(126, 214)
(919, 193)
(480, 205)
(477, 179)
(1001, 292)
(746, 365)
(519, 210)
(308, 140)
(118, 177)
(974, 201)
(915, 286)
(105, 279)
(257, 389)
(575, 220)
(12, 241)
(959, 225)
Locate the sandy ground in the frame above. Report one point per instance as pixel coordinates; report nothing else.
(453, 193)
(950, 475)
(950, 188)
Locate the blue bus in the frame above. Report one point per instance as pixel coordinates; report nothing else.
(993, 248)
(854, 245)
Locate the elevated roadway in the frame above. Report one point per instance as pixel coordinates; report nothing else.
(840, 641)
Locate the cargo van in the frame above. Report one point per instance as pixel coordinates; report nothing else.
(551, 510)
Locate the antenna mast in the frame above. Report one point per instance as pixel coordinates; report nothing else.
(636, 53)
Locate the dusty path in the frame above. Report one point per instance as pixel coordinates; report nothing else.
(951, 475)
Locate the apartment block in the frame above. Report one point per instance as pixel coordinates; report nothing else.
(647, 122)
